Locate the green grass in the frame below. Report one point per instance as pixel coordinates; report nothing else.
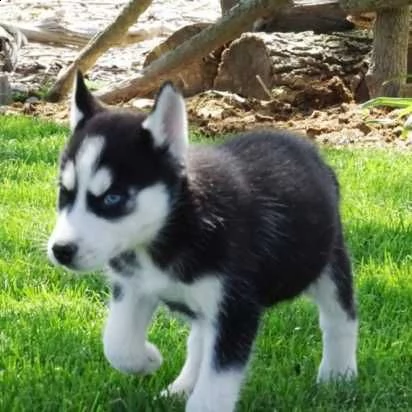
(50, 321)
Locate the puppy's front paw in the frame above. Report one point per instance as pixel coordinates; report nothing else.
(328, 373)
(178, 388)
(131, 359)
(154, 358)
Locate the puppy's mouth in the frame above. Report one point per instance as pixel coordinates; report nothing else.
(79, 263)
(71, 267)
(83, 266)
(74, 266)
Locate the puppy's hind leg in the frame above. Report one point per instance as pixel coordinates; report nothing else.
(333, 294)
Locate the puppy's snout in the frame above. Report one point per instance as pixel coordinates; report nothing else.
(64, 253)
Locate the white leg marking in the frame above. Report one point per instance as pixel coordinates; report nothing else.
(215, 390)
(125, 345)
(339, 332)
(185, 382)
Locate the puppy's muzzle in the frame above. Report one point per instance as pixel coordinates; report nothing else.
(64, 253)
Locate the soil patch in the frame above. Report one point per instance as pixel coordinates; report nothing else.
(316, 109)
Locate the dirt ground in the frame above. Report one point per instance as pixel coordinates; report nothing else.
(212, 112)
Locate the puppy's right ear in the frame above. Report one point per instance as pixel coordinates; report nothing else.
(83, 104)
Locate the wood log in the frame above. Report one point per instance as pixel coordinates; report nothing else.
(360, 6)
(246, 67)
(231, 25)
(319, 18)
(62, 36)
(226, 29)
(351, 6)
(97, 46)
(193, 78)
(11, 40)
(292, 65)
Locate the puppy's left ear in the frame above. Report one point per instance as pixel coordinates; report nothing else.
(168, 122)
(83, 105)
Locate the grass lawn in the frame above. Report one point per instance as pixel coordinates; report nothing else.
(50, 321)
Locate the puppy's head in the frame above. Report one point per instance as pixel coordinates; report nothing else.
(119, 173)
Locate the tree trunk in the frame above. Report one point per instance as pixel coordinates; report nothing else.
(226, 29)
(226, 5)
(5, 90)
(97, 46)
(387, 71)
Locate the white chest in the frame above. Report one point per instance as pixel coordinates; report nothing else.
(202, 297)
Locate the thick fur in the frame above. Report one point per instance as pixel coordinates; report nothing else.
(218, 233)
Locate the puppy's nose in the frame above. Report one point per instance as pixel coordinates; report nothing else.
(64, 253)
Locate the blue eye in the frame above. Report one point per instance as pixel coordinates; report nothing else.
(112, 199)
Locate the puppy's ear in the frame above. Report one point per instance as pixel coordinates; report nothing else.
(83, 105)
(168, 121)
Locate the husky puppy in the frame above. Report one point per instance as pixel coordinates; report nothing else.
(219, 233)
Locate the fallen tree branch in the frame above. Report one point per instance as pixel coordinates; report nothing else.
(360, 6)
(62, 36)
(230, 26)
(98, 45)
(11, 41)
(320, 16)
(224, 30)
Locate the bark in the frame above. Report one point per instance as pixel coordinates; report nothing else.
(387, 72)
(226, 29)
(302, 69)
(5, 90)
(59, 35)
(226, 5)
(246, 67)
(97, 46)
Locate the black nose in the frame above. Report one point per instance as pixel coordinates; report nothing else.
(64, 253)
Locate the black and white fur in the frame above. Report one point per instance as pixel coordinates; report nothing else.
(219, 233)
